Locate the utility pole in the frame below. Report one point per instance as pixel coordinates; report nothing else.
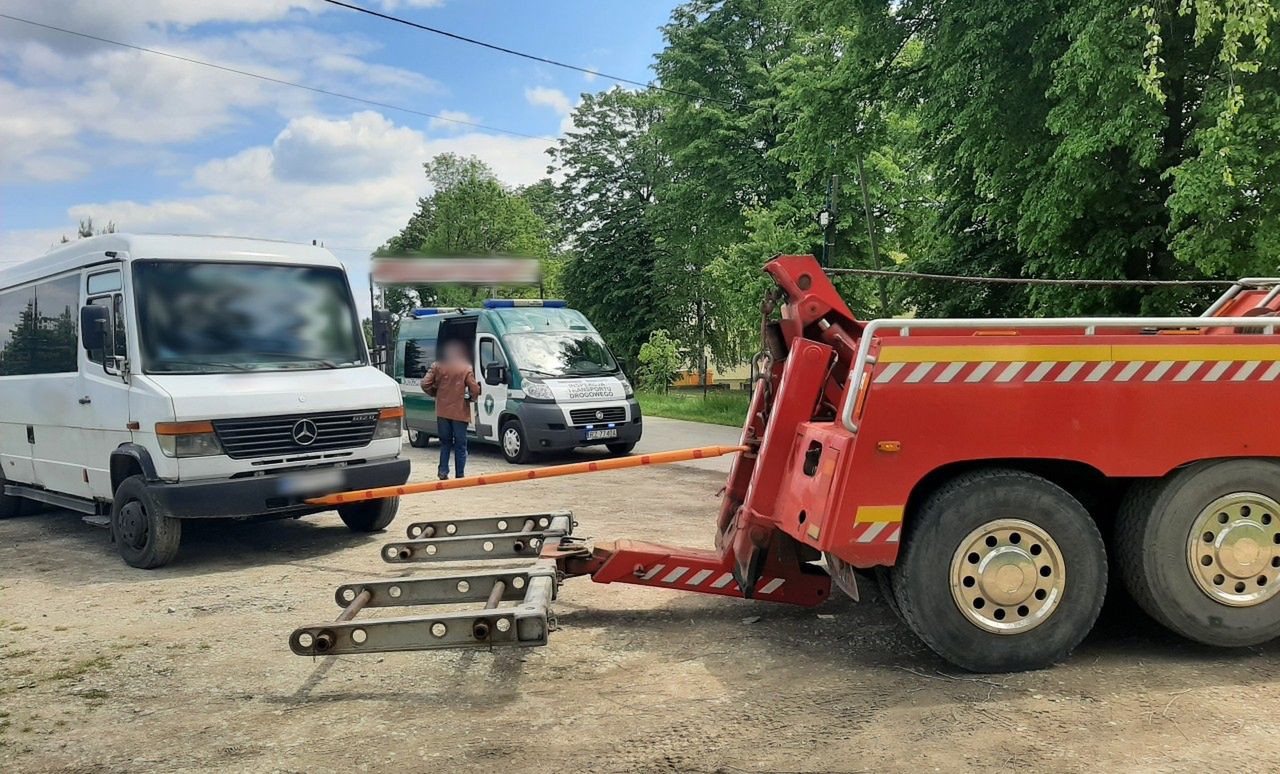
(875, 240)
(827, 220)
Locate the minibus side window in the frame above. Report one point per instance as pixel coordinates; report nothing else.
(489, 354)
(56, 322)
(17, 310)
(419, 354)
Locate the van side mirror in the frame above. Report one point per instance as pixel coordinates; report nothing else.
(495, 374)
(381, 328)
(95, 323)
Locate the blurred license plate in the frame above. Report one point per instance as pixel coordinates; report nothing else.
(311, 482)
(596, 435)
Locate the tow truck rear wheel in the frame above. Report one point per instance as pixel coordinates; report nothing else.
(1199, 550)
(1001, 571)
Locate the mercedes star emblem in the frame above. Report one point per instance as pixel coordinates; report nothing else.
(304, 432)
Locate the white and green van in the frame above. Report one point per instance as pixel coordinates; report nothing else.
(547, 380)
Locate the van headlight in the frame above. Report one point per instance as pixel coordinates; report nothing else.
(188, 439)
(389, 421)
(627, 391)
(537, 391)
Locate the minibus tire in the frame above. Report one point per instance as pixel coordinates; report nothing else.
(1002, 571)
(10, 506)
(145, 535)
(523, 453)
(620, 448)
(418, 439)
(370, 515)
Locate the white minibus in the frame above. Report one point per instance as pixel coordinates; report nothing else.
(149, 379)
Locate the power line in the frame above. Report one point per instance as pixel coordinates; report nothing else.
(279, 81)
(525, 55)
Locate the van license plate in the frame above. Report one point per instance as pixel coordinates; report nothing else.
(597, 435)
(310, 483)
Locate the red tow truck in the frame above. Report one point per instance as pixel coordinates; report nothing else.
(986, 474)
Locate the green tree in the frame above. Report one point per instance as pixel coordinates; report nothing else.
(660, 361)
(612, 167)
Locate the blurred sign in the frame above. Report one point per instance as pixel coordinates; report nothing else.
(456, 271)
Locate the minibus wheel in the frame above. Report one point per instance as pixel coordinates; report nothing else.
(418, 439)
(370, 515)
(10, 506)
(1002, 571)
(145, 535)
(514, 445)
(620, 448)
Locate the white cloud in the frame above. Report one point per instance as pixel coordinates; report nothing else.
(544, 96)
(591, 74)
(448, 121)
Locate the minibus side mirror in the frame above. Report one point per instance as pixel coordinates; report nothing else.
(495, 374)
(95, 322)
(381, 328)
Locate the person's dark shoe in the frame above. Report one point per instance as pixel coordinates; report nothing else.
(444, 476)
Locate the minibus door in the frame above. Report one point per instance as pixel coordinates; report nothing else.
(103, 396)
(493, 392)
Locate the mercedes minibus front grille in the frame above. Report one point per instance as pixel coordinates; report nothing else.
(593, 416)
(297, 434)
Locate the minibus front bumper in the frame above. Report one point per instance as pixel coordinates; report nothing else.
(278, 494)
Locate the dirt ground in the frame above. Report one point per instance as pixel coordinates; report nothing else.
(106, 668)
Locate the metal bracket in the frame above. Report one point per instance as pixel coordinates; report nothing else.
(514, 536)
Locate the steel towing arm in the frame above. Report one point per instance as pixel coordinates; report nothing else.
(802, 378)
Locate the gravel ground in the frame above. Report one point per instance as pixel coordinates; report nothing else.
(106, 668)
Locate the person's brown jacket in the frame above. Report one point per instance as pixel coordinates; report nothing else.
(448, 384)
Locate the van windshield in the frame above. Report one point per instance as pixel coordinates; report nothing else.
(561, 354)
(215, 317)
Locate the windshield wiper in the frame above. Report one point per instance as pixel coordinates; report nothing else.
(296, 358)
(207, 363)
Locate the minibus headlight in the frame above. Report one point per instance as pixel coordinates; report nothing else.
(389, 420)
(627, 390)
(188, 439)
(537, 391)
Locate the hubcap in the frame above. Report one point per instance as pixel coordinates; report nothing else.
(133, 524)
(1007, 576)
(1233, 550)
(511, 442)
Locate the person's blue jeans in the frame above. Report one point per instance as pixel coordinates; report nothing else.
(453, 438)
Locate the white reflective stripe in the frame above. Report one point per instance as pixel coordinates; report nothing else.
(893, 537)
(981, 371)
(949, 372)
(1246, 370)
(772, 586)
(1162, 368)
(1041, 371)
(1100, 371)
(889, 372)
(1217, 370)
(1270, 374)
(919, 373)
(872, 531)
(698, 577)
(657, 568)
(722, 581)
(1010, 371)
(1188, 371)
(675, 575)
(1070, 371)
(1128, 371)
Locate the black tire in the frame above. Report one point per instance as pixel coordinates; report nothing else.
(146, 536)
(513, 443)
(418, 439)
(620, 448)
(883, 577)
(952, 515)
(1152, 537)
(10, 506)
(370, 515)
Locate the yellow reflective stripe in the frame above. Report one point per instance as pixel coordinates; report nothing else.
(1087, 353)
(879, 513)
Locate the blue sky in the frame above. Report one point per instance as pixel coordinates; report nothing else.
(160, 145)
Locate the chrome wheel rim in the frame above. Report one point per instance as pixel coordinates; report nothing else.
(511, 442)
(1233, 550)
(1007, 576)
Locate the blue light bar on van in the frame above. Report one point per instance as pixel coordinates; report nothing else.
(428, 312)
(509, 303)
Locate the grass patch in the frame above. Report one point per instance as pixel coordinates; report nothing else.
(82, 668)
(720, 407)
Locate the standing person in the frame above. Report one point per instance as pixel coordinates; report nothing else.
(452, 383)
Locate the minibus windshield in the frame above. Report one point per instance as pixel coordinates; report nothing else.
(218, 317)
(561, 354)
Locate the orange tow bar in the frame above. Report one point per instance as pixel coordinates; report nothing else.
(657, 458)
